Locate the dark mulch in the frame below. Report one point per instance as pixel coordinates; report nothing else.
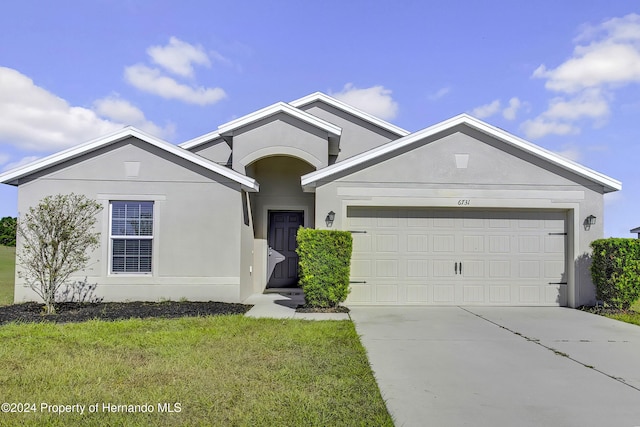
(307, 309)
(80, 312)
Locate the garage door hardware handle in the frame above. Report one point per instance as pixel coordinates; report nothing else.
(357, 232)
(557, 234)
(357, 281)
(457, 268)
(557, 283)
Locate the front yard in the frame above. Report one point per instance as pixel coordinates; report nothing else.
(188, 371)
(216, 370)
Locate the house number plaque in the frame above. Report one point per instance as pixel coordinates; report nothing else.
(464, 202)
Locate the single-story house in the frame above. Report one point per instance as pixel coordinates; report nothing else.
(458, 213)
(635, 230)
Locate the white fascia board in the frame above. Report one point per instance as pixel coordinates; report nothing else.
(63, 156)
(197, 141)
(321, 97)
(279, 107)
(309, 180)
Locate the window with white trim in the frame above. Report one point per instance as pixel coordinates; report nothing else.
(131, 236)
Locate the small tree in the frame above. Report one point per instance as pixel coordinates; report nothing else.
(55, 237)
(8, 231)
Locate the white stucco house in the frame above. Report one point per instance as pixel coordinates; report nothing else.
(458, 213)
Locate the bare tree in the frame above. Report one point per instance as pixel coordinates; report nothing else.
(55, 237)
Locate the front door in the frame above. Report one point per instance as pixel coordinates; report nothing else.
(282, 258)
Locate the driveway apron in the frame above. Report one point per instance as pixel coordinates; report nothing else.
(502, 366)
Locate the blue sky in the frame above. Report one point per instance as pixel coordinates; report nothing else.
(562, 74)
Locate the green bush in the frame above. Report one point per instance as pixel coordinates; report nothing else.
(325, 258)
(615, 270)
(8, 227)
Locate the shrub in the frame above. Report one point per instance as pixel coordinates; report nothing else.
(8, 231)
(325, 258)
(55, 238)
(615, 271)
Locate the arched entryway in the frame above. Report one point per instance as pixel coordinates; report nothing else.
(279, 208)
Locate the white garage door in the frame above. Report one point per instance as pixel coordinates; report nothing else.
(457, 257)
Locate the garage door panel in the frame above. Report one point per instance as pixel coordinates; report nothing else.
(499, 244)
(473, 294)
(386, 243)
(417, 268)
(443, 294)
(418, 242)
(499, 294)
(417, 294)
(444, 243)
(412, 256)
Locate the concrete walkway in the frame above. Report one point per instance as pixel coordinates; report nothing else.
(283, 306)
(489, 366)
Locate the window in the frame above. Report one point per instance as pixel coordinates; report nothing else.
(131, 237)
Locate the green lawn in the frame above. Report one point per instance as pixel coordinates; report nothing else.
(224, 370)
(7, 274)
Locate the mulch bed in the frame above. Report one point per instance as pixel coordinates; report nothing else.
(80, 312)
(307, 309)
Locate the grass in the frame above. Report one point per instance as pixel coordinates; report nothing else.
(630, 316)
(221, 370)
(7, 274)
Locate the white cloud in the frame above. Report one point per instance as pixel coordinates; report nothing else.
(606, 58)
(590, 103)
(178, 57)
(4, 158)
(511, 111)
(539, 127)
(375, 100)
(153, 81)
(34, 119)
(123, 111)
(487, 110)
(440, 93)
(609, 57)
(571, 152)
(24, 161)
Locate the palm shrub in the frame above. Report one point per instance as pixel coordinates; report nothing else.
(615, 271)
(325, 260)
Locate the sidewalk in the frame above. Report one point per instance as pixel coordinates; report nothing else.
(283, 306)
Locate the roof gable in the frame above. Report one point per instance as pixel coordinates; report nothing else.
(310, 180)
(321, 97)
(277, 108)
(12, 176)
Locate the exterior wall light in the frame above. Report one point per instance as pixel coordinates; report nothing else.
(589, 221)
(329, 219)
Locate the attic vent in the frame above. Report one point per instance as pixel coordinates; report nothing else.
(462, 160)
(132, 169)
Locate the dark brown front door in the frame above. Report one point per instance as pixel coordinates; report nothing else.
(283, 226)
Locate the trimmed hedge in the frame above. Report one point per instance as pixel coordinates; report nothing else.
(325, 260)
(615, 271)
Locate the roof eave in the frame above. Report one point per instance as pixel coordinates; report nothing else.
(609, 184)
(13, 176)
(322, 97)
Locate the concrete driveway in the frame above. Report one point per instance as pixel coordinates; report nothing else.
(499, 366)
